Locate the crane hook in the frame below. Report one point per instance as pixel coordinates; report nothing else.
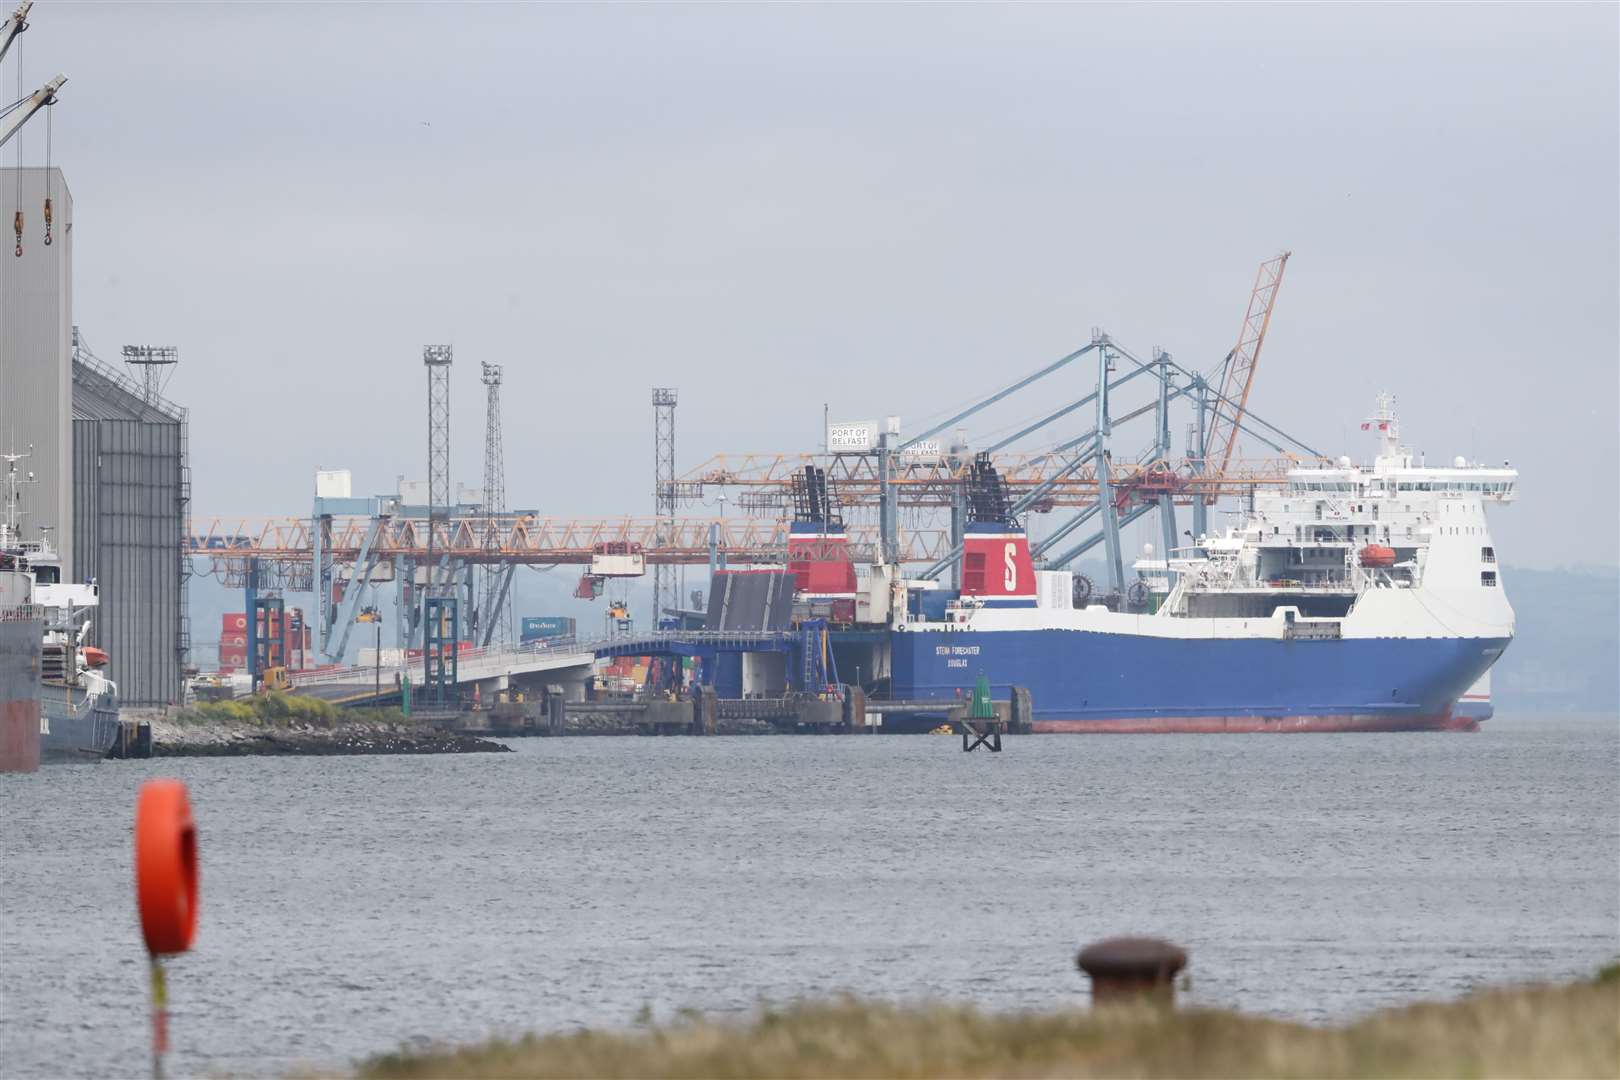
(17, 223)
(47, 221)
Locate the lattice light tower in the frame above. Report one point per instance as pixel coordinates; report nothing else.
(437, 612)
(489, 609)
(437, 360)
(154, 366)
(664, 577)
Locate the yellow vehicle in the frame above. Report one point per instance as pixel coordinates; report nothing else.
(275, 679)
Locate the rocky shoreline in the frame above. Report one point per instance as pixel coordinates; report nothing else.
(173, 738)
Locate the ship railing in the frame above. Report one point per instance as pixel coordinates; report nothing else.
(1325, 588)
(1400, 576)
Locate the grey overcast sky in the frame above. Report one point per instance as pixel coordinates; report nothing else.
(887, 208)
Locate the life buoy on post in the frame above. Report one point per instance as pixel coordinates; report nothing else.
(165, 890)
(166, 867)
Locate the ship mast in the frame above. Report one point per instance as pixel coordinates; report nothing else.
(1388, 427)
(11, 528)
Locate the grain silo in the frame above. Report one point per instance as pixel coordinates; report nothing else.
(131, 495)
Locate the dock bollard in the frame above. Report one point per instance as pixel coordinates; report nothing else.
(1132, 968)
(165, 890)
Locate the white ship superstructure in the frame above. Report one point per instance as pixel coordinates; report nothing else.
(1307, 538)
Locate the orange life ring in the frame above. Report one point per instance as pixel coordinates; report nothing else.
(165, 866)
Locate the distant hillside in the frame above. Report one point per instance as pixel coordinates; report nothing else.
(1565, 656)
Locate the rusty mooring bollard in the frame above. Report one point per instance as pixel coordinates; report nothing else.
(1132, 968)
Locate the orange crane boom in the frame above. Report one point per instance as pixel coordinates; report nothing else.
(1238, 379)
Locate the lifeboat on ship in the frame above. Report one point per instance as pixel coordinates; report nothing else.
(1378, 556)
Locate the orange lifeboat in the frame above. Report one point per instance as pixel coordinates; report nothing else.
(1378, 556)
(94, 657)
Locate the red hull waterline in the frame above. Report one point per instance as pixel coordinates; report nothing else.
(19, 736)
(1244, 725)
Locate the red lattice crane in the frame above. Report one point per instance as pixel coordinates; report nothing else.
(1238, 377)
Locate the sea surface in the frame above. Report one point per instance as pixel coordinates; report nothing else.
(353, 904)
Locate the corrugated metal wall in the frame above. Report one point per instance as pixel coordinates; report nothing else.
(86, 448)
(126, 495)
(36, 319)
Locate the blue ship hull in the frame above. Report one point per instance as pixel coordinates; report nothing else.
(1083, 680)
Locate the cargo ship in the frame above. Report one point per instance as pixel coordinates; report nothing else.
(1352, 598)
(78, 713)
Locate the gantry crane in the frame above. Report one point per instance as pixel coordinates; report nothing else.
(350, 545)
(1084, 473)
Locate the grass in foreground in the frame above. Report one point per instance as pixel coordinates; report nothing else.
(1548, 1031)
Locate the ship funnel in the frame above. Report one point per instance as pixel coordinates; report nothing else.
(995, 549)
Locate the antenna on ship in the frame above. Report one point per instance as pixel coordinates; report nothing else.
(10, 530)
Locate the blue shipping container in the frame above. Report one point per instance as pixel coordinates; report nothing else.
(536, 627)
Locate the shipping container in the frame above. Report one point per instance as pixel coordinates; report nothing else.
(536, 627)
(391, 657)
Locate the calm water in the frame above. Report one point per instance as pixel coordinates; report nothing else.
(351, 904)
